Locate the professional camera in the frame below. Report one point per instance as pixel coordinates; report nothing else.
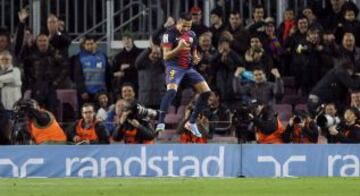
(19, 132)
(326, 121)
(138, 111)
(242, 120)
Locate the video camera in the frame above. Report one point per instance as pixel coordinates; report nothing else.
(243, 122)
(19, 132)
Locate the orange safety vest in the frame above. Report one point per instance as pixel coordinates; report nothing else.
(86, 134)
(187, 137)
(49, 133)
(130, 137)
(273, 138)
(299, 138)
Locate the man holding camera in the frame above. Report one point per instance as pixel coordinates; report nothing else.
(88, 130)
(42, 125)
(349, 131)
(301, 129)
(268, 129)
(133, 124)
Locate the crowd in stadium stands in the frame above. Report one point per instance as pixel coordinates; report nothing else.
(295, 83)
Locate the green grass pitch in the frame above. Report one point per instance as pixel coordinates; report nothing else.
(181, 186)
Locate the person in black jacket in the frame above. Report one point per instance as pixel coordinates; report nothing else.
(301, 129)
(349, 132)
(133, 128)
(44, 69)
(333, 87)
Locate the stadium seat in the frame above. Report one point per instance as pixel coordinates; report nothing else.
(67, 96)
(284, 111)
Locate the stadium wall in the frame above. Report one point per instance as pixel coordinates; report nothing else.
(175, 160)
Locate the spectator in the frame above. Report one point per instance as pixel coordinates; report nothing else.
(91, 71)
(4, 40)
(43, 126)
(296, 36)
(350, 131)
(88, 130)
(349, 23)
(113, 115)
(217, 25)
(333, 87)
(272, 43)
(207, 52)
(10, 81)
(103, 106)
(151, 75)
(57, 37)
(197, 25)
(225, 63)
(45, 69)
(332, 15)
(257, 26)
(348, 52)
(128, 92)
(331, 50)
(309, 14)
(240, 36)
(262, 90)
(287, 25)
(256, 56)
(355, 99)
(218, 114)
(123, 69)
(301, 129)
(308, 61)
(132, 128)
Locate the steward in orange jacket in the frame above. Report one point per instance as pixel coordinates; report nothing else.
(269, 130)
(44, 128)
(88, 130)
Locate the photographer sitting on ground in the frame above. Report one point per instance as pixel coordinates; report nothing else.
(269, 130)
(88, 130)
(349, 132)
(43, 126)
(301, 129)
(133, 124)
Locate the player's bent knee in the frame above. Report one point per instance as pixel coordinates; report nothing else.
(202, 87)
(172, 86)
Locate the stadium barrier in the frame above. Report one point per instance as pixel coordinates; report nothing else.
(176, 160)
